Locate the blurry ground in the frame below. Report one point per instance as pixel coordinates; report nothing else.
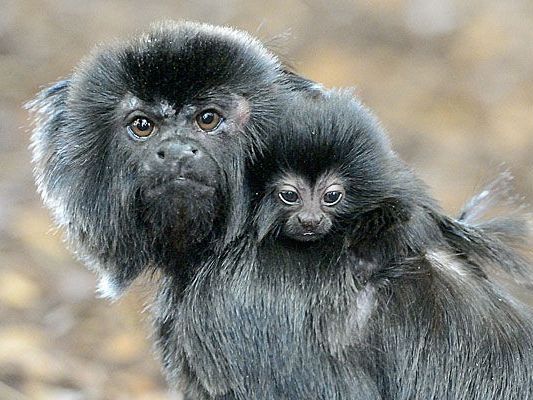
(452, 81)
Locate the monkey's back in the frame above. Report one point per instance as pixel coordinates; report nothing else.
(445, 333)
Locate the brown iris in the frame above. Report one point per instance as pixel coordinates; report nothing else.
(208, 120)
(141, 127)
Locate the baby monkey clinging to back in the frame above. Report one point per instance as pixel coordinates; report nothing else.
(360, 286)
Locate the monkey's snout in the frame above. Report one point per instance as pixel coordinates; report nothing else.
(169, 158)
(310, 221)
(176, 152)
(173, 157)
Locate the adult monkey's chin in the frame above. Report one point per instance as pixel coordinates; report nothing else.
(181, 189)
(188, 217)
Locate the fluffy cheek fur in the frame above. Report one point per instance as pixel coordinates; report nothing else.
(121, 224)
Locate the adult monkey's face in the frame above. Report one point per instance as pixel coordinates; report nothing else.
(139, 154)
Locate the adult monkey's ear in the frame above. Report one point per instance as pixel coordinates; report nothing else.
(301, 84)
(73, 196)
(49, 108)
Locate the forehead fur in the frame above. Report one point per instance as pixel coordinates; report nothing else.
(332, 134)
(177, 62)
(326, 178)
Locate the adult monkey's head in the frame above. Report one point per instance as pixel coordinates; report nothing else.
(139, 153)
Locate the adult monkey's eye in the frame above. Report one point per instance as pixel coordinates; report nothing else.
(289, 197)
(141, 127)
(208, 120)
(332, 198)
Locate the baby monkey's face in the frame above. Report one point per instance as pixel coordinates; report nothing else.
(309, 209)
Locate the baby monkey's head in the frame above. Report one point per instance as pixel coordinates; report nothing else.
(327, 173)
(308, 209)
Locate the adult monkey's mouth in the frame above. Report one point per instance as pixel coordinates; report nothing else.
(182, 185)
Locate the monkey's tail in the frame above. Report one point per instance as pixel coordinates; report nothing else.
(500, 212)
(495, 231)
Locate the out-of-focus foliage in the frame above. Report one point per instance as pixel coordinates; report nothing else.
(452, 81)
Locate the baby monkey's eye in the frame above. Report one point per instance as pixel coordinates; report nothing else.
(289, 197)
(141, 128)
(208, 120)
(332, 198)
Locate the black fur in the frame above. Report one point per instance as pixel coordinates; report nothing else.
(395, 303)
(122, 215)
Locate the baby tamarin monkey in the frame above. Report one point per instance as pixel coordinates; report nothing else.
(327, 172)
(373, 290)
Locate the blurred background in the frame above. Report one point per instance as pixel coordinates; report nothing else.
(452, 81)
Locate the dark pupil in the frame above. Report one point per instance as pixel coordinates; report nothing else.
(208, 118)
(142, 124)
(331, 197)
(289, 196)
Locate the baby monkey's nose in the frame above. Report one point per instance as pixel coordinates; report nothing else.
(310, 220)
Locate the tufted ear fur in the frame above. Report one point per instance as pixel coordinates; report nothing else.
(77, 197)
